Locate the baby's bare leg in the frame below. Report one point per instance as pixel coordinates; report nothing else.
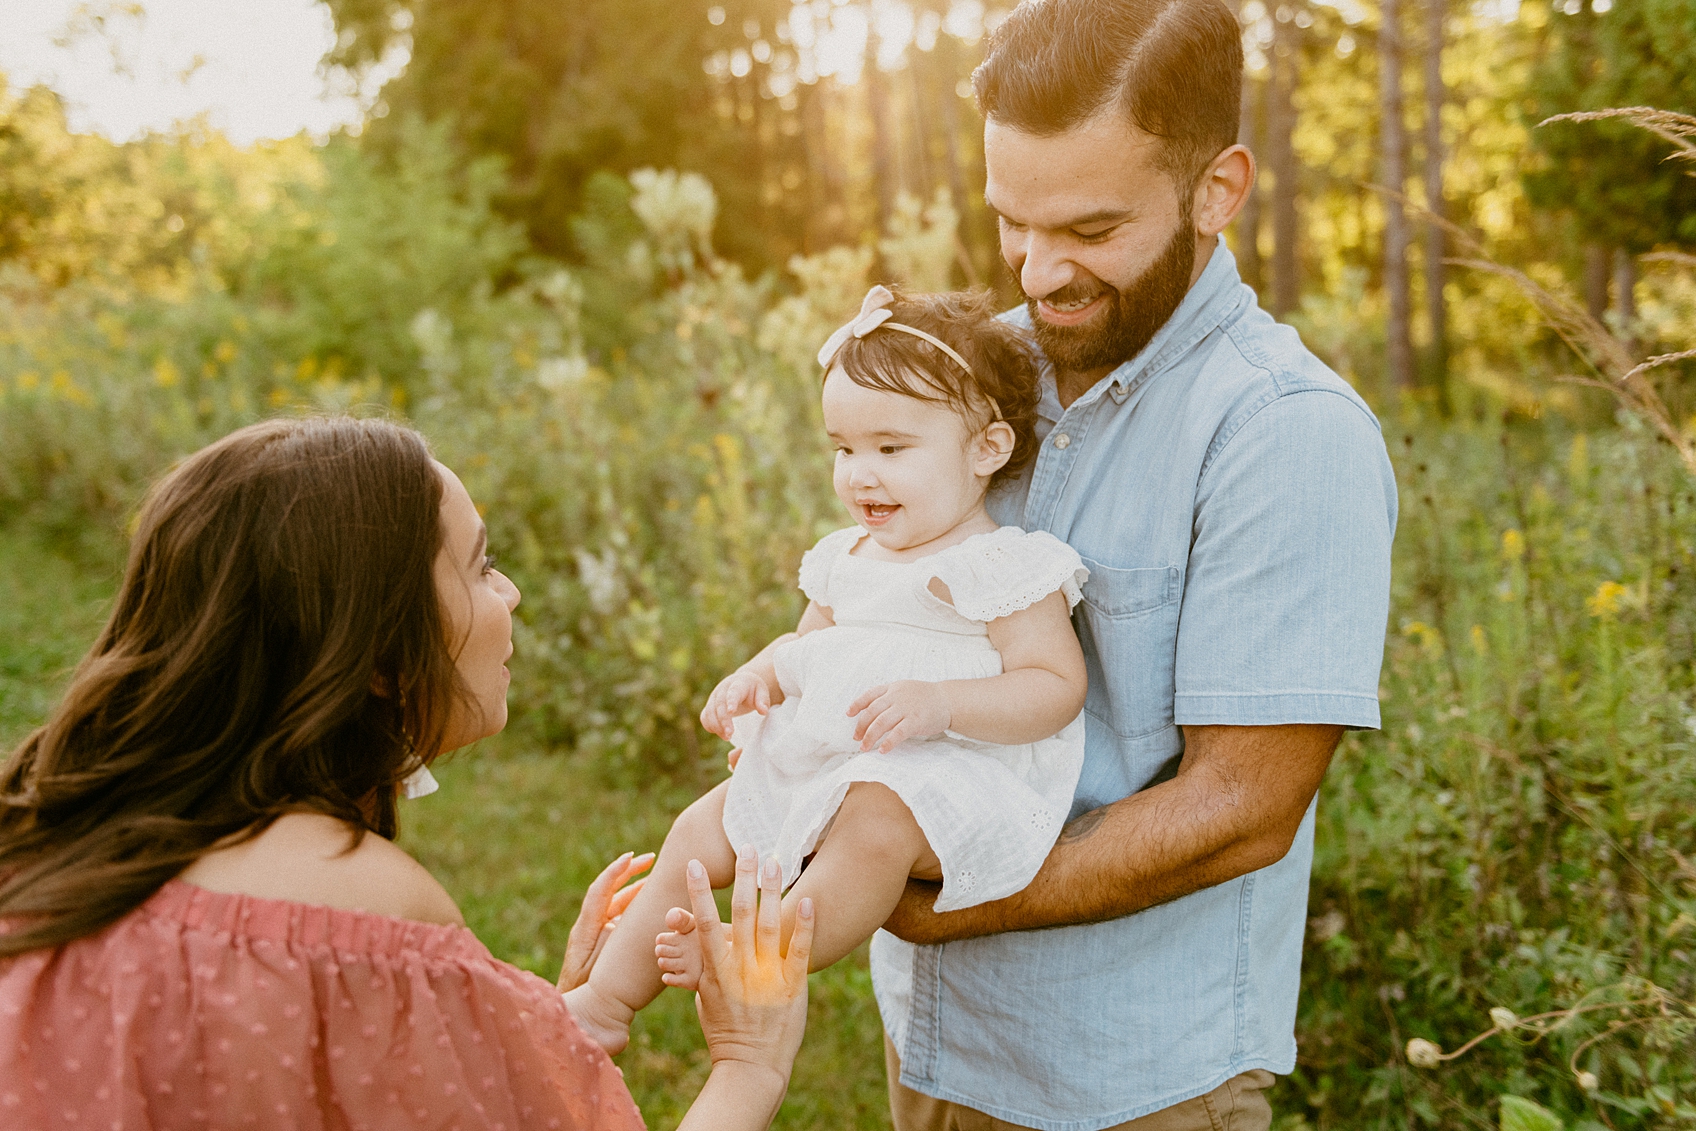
(625, 977)
(857, 876)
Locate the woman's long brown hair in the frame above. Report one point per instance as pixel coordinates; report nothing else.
(277, 645)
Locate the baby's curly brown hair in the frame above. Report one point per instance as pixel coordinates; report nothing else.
(1004, 366)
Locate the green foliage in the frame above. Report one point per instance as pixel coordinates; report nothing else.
(1522, 1115)
(642, 432)
(1613, 179)
(560, 92)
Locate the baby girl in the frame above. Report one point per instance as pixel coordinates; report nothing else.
(923, 719)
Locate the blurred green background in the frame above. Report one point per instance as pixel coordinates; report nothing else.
(590, 250)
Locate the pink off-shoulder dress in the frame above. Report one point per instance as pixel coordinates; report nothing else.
(206, 1010)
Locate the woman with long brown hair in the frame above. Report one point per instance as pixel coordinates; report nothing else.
(197, 927)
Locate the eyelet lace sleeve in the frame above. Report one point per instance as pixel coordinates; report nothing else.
(816, 563)
(998, 574)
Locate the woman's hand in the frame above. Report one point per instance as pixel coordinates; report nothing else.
(752, 998)
(736, 694)
(603, 903)
(890, 714)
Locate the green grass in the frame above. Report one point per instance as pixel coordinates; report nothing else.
(52, 604)
(516, 834)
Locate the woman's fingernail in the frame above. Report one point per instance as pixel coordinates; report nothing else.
(805, 910)
(747, 854)
(696, 871)
(770, 871)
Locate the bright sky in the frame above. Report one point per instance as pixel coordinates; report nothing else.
(123, 68)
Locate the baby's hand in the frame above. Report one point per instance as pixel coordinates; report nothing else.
(736, 694)
(889, 715)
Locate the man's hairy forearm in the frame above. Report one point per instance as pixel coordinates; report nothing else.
(1233, 808)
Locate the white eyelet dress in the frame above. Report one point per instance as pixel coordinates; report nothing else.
(991, 812)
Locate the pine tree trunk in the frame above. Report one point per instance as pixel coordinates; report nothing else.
(1281, 162)
(1597, 264)
(1437, 311)
(920, 104)
(1625, 295)
(1393, 135)
(884, 172)
(1248, 220)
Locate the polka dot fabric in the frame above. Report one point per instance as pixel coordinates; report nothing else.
(206, 1010)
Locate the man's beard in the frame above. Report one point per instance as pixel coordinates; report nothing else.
(1131, 316)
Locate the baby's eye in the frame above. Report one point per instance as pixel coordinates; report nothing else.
(890, 449)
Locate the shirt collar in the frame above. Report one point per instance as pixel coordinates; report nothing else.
(1210, 302)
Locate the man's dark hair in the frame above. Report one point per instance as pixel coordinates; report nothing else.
(1173, 67)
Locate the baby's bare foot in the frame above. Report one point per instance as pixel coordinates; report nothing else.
(679, 958)
(605, 1019)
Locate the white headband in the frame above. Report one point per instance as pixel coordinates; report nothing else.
(875, 313)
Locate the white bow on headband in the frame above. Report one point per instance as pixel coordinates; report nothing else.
(875, 312)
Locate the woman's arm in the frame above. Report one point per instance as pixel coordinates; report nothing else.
(1040, 689)
(753, 686)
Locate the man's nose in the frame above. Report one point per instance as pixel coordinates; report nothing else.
(1046, 267)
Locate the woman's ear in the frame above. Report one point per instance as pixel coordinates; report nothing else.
(995, 448)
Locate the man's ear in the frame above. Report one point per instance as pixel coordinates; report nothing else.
(1223, 190)
(995, 448)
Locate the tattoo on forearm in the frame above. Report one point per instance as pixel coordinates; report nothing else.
(1084, 826)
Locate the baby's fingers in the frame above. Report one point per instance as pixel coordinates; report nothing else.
(866, 699)
(886, 721)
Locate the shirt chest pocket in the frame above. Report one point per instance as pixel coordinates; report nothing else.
(1128, 625)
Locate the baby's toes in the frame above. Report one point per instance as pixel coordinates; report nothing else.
(678, 960)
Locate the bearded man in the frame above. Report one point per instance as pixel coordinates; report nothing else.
(1234, 503)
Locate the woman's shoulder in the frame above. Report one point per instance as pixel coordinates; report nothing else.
(311, 858)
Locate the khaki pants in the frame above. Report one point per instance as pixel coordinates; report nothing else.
(1239, 1104)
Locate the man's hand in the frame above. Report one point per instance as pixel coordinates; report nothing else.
(1234, 807)
(891, 713)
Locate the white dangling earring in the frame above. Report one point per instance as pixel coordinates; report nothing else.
(419, 783)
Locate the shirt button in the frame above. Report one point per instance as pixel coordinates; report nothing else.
(1062, 441)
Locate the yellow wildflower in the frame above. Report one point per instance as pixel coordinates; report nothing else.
(1604, 602)
(165, 373)
(1480, 644)
(1430, 639)
(1513, 545)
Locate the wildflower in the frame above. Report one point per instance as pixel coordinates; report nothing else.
(1430, 639)
(1503, 1018)
(1513, 545)
(28, 380)
(1422, 1053)
(1604, 602)
(1588, 1081)
(165, 373)
(1480, 644)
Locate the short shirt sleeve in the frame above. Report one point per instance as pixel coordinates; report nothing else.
(1285, 603)
(817, 563)
(1001, 573)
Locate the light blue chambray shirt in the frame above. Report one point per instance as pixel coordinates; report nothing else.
(1234, 503)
